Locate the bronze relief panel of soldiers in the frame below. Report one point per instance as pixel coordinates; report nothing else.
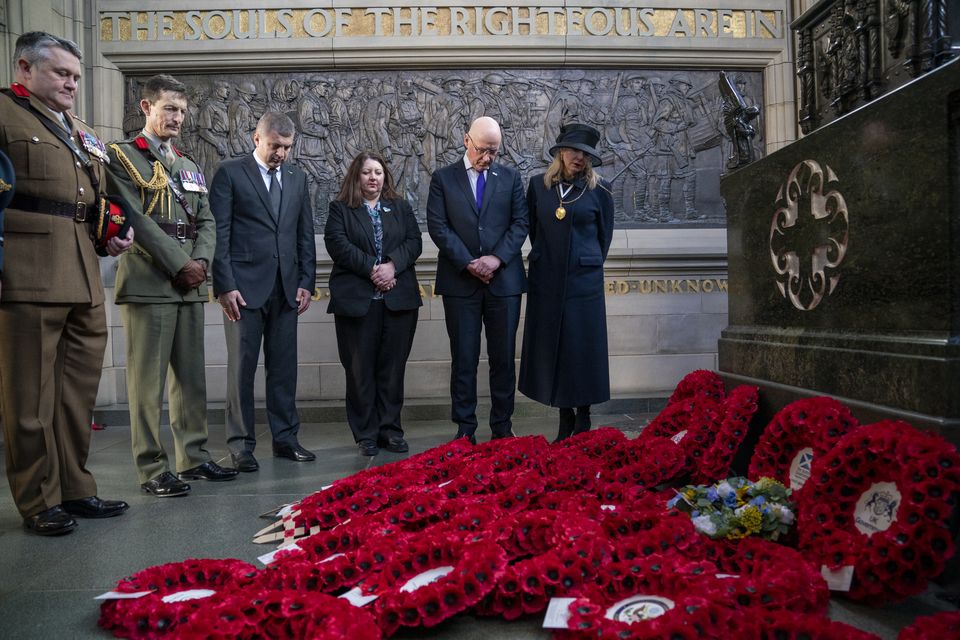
(663, 130)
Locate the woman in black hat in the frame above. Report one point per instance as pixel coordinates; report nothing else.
(564, 355)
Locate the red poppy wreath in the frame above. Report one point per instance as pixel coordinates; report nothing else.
(738, 410)
(935, 627)
(434, 578)
(176, 592)
(878, 501)
(798, 433)
(669, 598)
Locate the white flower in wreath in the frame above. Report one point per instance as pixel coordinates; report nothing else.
(724, 489)
(784, 514)
(704, 525)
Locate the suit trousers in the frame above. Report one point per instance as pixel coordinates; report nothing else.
(50, 361)
(500, 316)
(274, 325)
(161, 338)
(373, 351)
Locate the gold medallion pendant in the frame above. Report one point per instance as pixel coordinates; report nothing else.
(561, 213)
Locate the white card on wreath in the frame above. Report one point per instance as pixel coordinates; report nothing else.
(356, 598)
(838, 580)
(117, 595)
(268, 558)
(558, 613)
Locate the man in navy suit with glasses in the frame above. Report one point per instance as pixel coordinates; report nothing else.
(477, 216)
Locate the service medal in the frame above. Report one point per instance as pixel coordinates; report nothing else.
(561, 213)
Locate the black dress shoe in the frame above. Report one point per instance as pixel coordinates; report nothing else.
(394, 444)
(209, 470)
(244, 461)
(294, 452)
(166, 485)
(368, 448)
(52, 522)
(94, 507)
(472, 438)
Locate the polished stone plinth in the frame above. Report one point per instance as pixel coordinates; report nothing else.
(844, 262)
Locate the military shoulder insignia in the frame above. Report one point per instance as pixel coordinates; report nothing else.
(141, 143)
(19, 90)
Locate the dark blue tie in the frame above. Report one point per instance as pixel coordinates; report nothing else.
(481, 185)
(275, 192)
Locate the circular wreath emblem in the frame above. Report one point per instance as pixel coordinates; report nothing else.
(671, 597)
(879, 501)
(808, 234)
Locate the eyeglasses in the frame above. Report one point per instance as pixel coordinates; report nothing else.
(489, 151)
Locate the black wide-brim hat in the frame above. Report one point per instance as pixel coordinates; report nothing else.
(8, 182)
(578, 136)
(115, 217)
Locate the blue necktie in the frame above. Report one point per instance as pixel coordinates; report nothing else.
(481, 185)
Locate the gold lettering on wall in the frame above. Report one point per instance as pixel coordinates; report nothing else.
(422, 21)
(611, 287)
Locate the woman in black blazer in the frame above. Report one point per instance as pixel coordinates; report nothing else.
(374, 240)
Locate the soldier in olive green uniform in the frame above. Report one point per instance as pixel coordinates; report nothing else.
(53, 328)
(162, 287)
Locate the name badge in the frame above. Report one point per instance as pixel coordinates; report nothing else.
(93, 146)
(193, 181)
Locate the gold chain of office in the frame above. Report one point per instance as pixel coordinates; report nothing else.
(561, 213)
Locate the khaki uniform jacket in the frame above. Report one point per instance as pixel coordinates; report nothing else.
(48, 258)
(146, 271)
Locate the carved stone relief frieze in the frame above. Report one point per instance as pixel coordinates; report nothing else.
(851, 51)
(664, 141)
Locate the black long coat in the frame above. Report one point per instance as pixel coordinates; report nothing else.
(564, 355)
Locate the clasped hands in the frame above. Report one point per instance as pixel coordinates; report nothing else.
(190, 276)
(384, 276)
(484, 267)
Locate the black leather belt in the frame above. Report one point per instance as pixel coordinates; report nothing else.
(75, 210)
(179, 230)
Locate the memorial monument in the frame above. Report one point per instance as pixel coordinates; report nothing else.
(844, 246)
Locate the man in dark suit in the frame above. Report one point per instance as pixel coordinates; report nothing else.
(477, 216)
(264, 274)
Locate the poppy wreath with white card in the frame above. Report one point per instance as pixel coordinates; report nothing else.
(172, 594)
(668, 597)
(878, 502)
(432, 579)
(797, 434)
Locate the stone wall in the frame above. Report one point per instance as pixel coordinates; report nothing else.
(666, 299)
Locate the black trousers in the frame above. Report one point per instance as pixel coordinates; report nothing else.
(373, 351)
(274, 325)
(465, 317)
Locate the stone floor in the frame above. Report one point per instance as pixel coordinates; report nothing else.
(47, 586)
